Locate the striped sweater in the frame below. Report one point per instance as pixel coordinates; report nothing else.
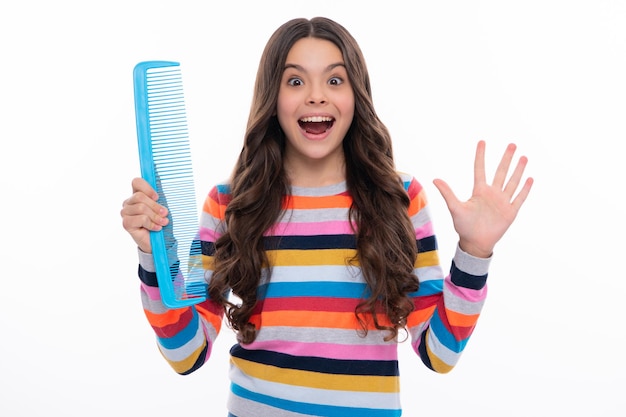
(309, 357)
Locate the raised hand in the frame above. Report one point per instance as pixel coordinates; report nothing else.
(482, 220)
(141, 214)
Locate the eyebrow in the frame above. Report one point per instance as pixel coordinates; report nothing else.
(301, 68)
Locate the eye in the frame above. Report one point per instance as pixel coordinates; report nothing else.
(335, 81)
(294, 82)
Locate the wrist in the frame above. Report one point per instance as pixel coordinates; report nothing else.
(474, 250)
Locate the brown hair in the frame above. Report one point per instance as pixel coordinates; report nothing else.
(385, 238)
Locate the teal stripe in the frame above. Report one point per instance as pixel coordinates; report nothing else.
(434, 286)
(312, 289)
(312, 409)
(444, 336)
(223, 188)
(183, 336)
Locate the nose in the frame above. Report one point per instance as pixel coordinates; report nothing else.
(316, 95)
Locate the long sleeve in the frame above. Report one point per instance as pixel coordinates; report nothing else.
(184, 336)
(447, 307)
(310, 356)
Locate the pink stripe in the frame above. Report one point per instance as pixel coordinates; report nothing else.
(208, 235)
(425, 230)
(329, 350)
(313, 228)
(467, 294)
(153, 293)
(209, 342)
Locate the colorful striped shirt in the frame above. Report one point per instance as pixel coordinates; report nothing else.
(310, 357)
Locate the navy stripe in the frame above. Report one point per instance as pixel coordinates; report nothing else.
(465, 280)
(427, 244)
(208, 248)
(148, 278)
(310, 242)
(314, 364)
(422, 351)
(297, 242)
(201, 359)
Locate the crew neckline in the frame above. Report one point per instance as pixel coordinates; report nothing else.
(331, 189)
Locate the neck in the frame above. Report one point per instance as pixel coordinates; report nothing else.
(310, 175)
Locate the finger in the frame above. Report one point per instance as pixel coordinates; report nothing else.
(503, 167)
(140, 203)
(479, 164)
(140, 211)
(446, 192)
(143, 193)
(141, 185)
(521, 196)
(133, 218)
(516, 177)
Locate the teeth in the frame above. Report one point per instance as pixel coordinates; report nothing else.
(316, 119)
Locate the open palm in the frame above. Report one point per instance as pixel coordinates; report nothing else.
(482, 220)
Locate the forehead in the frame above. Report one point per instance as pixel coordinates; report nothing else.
(314, 52)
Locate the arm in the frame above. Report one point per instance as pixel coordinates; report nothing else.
(185, 335)
(447, 310)
(446, 307)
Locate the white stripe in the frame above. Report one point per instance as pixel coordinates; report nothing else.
(323, 273)
(316, 396)
(242, 407)
(321, 335)
(429, 273)
(449, 357)
(183, 352)
(459, 304)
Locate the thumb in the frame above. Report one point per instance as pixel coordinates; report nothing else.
(446, 192)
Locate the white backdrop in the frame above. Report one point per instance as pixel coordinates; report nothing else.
(548, 75)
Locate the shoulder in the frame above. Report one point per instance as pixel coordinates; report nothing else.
(217, 199)
(417, 194)
(411, 184)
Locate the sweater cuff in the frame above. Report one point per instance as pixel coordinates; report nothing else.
(146, 261)
(471, 264)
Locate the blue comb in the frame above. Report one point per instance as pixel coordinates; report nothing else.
(165, 161)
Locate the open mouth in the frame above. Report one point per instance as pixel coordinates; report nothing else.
(316, 124)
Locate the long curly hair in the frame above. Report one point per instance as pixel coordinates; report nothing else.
(385, 238)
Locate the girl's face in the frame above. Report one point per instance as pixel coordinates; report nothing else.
(315, 109)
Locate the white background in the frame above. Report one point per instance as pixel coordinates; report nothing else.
(547, 75)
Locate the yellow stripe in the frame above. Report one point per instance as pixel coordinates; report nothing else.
(187, 363)
(318, 380)
(296, 257)
(208, 262)
(424, 259)
(437, 364)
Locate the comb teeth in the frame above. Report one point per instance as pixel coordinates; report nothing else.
(166, 164)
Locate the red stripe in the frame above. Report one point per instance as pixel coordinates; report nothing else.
(172, 329)
(307, 304)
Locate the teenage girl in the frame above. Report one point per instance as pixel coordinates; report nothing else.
(318, 253)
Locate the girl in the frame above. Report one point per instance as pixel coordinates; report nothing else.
(329, 251)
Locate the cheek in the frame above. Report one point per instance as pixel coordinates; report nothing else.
(286, 110)
(281, 115)
(348, 110)
(346, 104)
